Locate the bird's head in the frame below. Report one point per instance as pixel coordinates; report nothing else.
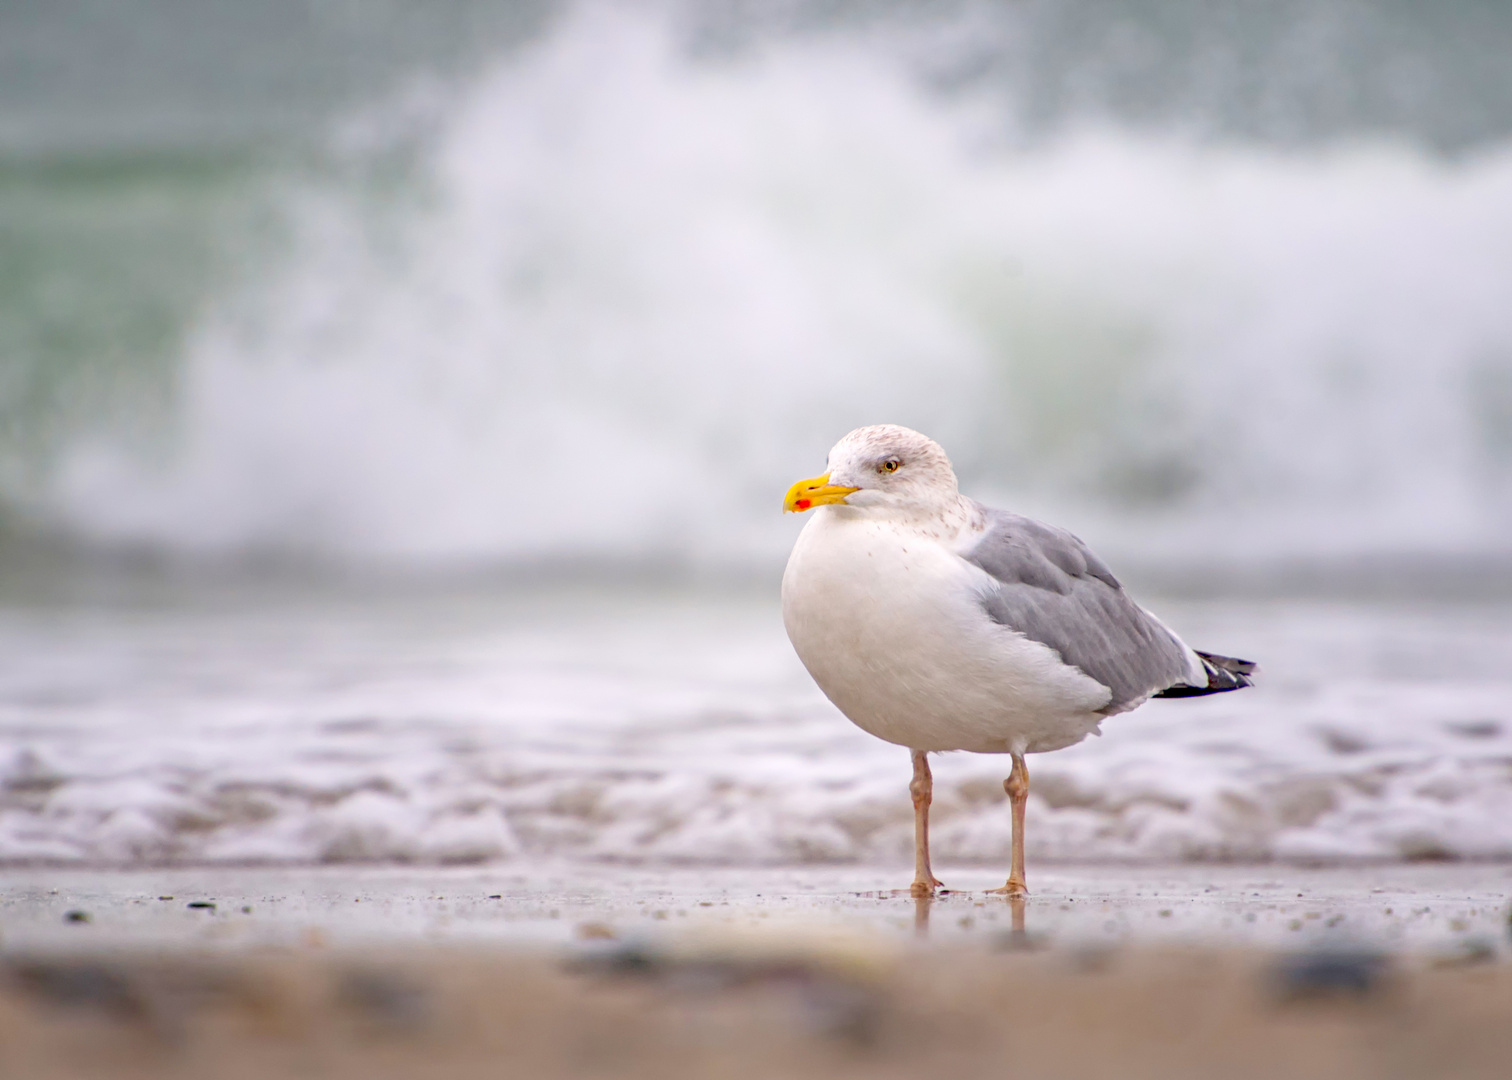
(885, 468)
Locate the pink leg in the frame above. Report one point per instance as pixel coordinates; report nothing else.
(1017, 787)
(922, 790)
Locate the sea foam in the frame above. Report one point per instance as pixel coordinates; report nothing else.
(669, 730)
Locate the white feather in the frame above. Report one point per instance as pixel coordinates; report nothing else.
(888, 620)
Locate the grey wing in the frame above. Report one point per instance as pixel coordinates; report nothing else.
(1053, 590)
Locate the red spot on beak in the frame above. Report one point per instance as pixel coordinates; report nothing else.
(803, 504)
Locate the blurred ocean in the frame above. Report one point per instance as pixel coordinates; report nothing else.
(373, 377)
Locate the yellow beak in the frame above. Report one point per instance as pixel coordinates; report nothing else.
(807, 494)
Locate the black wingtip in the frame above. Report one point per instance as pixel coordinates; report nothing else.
(1229, 663)
(1224, 673)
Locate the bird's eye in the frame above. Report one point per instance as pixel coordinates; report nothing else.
(891, 465)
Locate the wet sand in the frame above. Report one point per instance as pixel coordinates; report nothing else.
(1400, 970)
(1417, 907)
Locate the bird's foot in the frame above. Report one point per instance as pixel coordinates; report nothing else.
(1014, 890)
(922, 888)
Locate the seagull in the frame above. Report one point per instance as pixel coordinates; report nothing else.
(937, 623)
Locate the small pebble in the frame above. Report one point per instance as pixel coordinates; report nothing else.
(391, 1000)
(1324, 973)
(1467, 953)
(76, 916)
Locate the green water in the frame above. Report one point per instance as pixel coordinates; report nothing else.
(104, 259)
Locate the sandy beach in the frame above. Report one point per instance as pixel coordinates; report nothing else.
(1423, 908)
(569, 970)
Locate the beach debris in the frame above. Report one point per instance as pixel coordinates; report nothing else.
(623, 958)
(158, 996)
(80, 985)
(385, 997)
(1329, 973)
(1466, 953)
(76, 916)
(200, 905)
(834, 980)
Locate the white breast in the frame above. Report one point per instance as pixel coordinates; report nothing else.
(890, 625)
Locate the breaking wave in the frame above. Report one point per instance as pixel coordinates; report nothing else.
(606, 298)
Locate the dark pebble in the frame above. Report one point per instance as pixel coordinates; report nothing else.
(1320, 974)
(76, 916)
(86, 984)
(202, 905)
(389, 999)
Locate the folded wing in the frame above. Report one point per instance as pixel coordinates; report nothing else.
(1052, 589)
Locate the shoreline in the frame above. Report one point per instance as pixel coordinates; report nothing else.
(1426, 908)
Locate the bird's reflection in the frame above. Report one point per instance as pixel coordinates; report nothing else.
(1018, 935)
(922, 904)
